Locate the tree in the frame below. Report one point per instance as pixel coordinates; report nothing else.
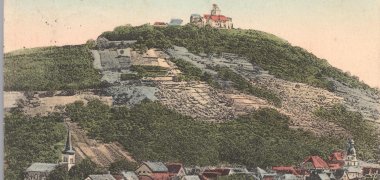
(91, 44)
(82, 170)
(59, 173)
(122, 165)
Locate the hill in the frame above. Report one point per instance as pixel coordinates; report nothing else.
(200, 96)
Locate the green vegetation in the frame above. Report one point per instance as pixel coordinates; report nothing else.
(78, 172)
(152, 132)
(193, 73)
(244, 85)
(268, 51)
(149, 71)
(124, 77)
(50, 68)
(363, 133)
(31, 139)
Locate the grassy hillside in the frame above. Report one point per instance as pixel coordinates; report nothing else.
(50, 68)
(268, 51)
(31, 139)
(152, 132)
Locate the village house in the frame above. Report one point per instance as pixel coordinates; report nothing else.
(129, 175)
(314, 163)
(152, 170)
(215, 19)
(41, 171)
(175, 22)
(160, 24)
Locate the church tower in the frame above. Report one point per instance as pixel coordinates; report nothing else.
(215, 10)
(351, 159)
(68, 154)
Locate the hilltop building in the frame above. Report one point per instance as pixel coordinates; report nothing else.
(41, 171)
(175, 22)
(215, 19)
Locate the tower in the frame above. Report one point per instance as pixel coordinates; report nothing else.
(351, 159)
(68, 153)
(215, 10)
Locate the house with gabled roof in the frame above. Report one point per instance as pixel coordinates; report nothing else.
(314, 162)
(155, 170)
(39, 171)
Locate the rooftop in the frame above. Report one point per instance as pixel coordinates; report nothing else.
(41, 167)
(156, 166)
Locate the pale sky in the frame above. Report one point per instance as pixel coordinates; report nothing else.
(345, 32)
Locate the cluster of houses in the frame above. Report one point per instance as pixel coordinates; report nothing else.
(341, 165)
(215, 19)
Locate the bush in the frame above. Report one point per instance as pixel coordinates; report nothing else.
(50, 68)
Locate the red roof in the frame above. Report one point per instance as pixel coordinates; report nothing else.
(337, 156)
(317, 162)
(216, 17)
(159, 24)
(285, 169)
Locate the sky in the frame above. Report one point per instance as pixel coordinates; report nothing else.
(344, 32)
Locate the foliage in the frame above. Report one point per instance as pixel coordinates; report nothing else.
(152, 132)
(31, 139)
(50, 68)
(122, 165)
(266, 50)
(193, 73)
(361, 130)
(265, 139)
(124, 77)
(82, 170)
(147, 37)
(149, 71)
(59, 173)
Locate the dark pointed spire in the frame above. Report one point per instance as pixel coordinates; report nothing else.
(68, 147)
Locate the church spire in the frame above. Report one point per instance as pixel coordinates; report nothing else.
(68, 146)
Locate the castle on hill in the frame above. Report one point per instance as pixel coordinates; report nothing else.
(215, 19)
